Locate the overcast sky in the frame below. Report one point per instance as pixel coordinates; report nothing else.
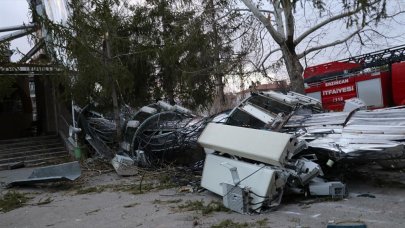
(15, 12)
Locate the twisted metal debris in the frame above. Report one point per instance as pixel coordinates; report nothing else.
(268, 145)
(252, 169)
(155, 134)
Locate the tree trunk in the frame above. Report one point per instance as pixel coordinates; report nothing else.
(170, 97)
(116, 110)
(113, 91)
(220, 90)
(219, 103)
(220, 96)
(294, 69)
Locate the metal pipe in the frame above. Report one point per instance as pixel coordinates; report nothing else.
(73, 114)
(33, 51)
(15, 35)
(17, 27)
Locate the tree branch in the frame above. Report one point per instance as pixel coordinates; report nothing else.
(265, 21)
(279, 19)
(270, 53)
(337, 42)
(289, 19)
(261, 10)
(327, 21)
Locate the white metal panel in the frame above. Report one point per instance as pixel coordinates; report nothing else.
(281, 97)
(148, 110)
(263, 116)
(259, 145)
(370, 92)
(316, 95)
(165, 105)
(260, 179)
(133, 123)
(57, 10)
(354, 103)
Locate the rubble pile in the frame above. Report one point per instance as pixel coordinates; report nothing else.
(268, 145)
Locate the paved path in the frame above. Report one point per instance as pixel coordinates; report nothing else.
(111, 208)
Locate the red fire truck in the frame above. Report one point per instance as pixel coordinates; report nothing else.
(377, 78)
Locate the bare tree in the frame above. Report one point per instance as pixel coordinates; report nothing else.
(279, 18)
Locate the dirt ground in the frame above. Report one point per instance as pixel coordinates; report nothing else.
(104, 199)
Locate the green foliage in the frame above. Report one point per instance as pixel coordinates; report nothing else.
(376, 11)
(161, 50)
(262, 222)
(90, 190)
(183, 65)
(5, 52)
(6, 86)
(6, 82)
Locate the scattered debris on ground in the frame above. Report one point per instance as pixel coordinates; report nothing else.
(131, 205)
(124, 165)
(213, 206)
(44, 201)
(269, 145)
(164, 202)
(55, 173)
(160, 207)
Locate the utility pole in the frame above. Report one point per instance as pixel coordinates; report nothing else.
(113, 89)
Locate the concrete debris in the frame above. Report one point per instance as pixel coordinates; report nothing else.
(63, 172)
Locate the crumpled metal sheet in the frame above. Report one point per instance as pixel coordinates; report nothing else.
(379, 134)
(164, 133)
(99, 132)
(367, 132)
(124, 165)
(63, 172)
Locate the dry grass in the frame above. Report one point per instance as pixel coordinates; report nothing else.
(211, 207)
(12, 200)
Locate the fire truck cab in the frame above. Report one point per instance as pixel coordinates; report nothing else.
(377, 78)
